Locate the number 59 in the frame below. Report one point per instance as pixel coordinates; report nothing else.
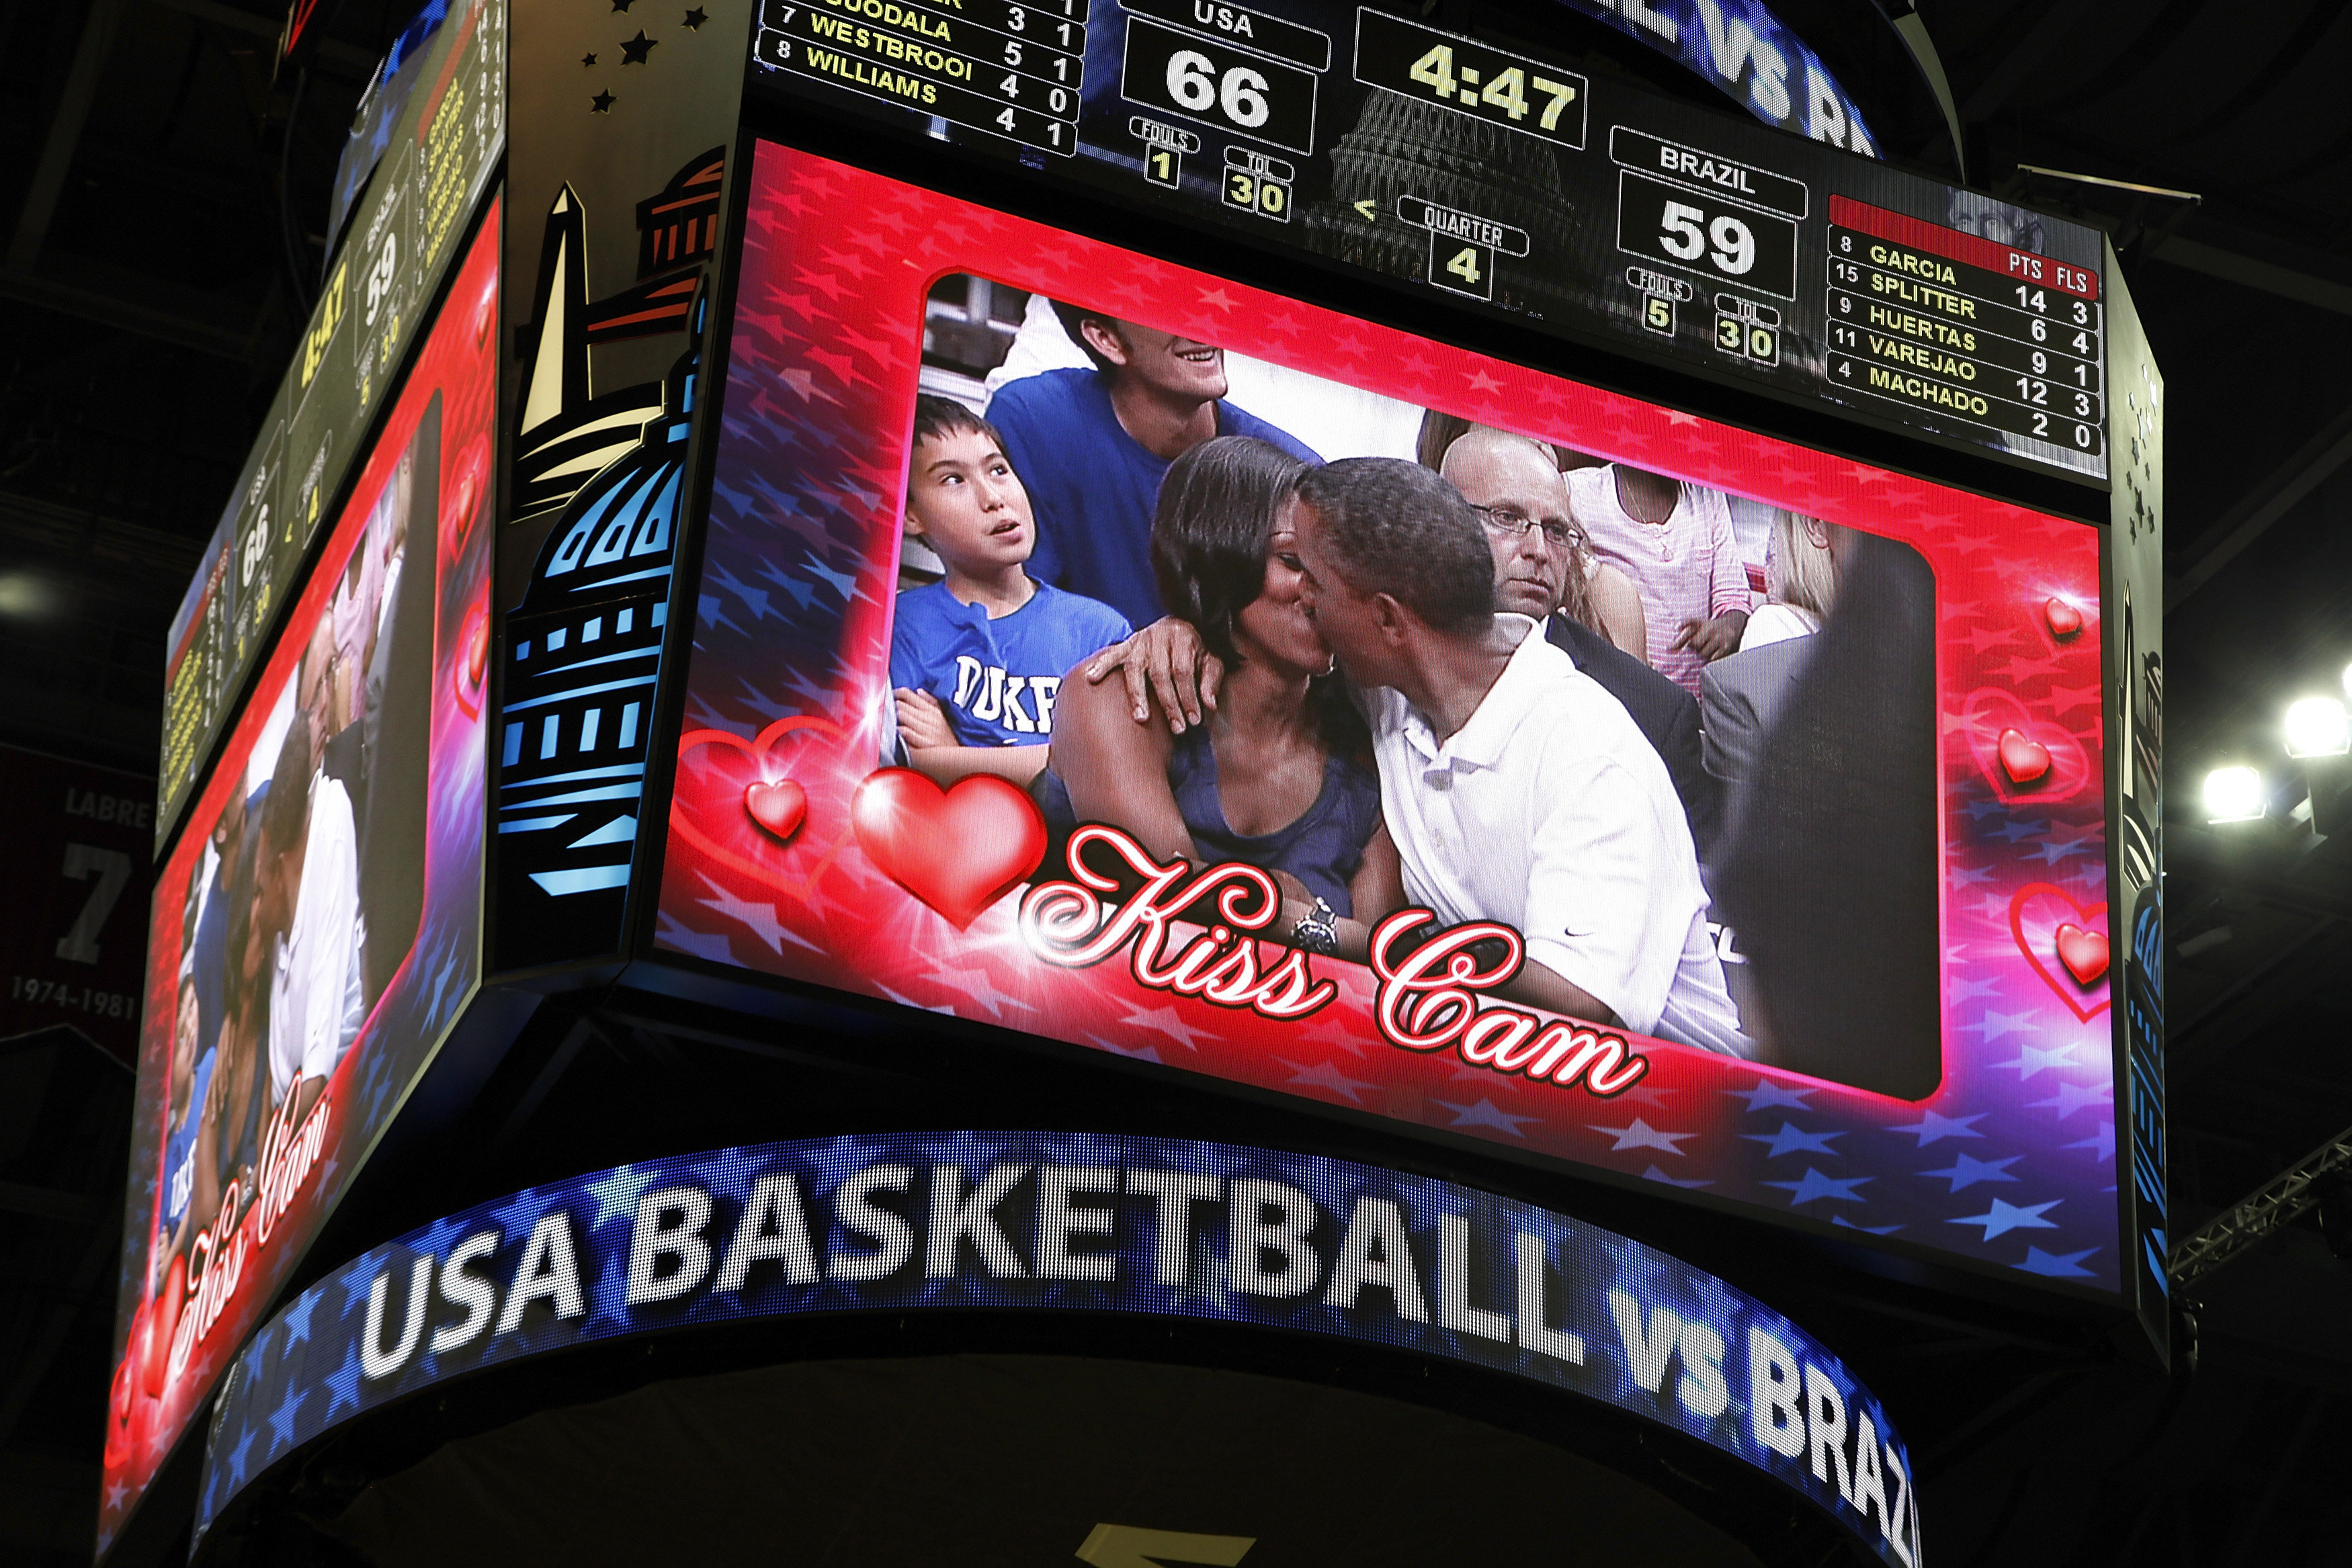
(1679, 234)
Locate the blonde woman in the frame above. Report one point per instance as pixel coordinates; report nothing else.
(1800, 581)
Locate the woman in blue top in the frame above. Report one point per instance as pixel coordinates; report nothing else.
(1279, 775)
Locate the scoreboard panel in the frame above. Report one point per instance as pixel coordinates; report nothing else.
(1594, 212)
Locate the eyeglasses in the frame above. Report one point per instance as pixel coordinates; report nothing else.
(1512, 522)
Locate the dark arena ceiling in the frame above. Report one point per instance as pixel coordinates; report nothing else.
(162, 201)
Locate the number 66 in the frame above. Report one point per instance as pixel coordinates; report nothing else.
(1190, 82)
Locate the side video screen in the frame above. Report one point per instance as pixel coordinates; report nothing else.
(315, 929)
(1500, 756)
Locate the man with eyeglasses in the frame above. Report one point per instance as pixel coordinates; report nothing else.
(1539, 571)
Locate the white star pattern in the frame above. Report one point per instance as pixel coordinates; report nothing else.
(759, 919)
(1814, 1184)
(1165, 1021)
(1996, 1026)
(2032, 1059)
(1931, 1127)
(2003, 1218)
(2101, 1142)
(1336, 1031)
(2073, 1097)
(1768, 1095)
(976, 984)
(1641, 1135)
(904, 1001)
(1133, 1052)
(1485, 1113)
(1328, 1077)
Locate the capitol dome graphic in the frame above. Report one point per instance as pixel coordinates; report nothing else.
(1402, 146)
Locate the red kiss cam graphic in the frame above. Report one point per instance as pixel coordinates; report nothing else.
(2065, 941)
(734, 803)
(958, 850)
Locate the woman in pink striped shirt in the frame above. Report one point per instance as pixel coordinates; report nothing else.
(1674, 542)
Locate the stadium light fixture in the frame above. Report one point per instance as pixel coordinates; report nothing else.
(2317, 727)
(2233, 795)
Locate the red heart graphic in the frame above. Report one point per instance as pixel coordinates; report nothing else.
(162, 1323)
(473, 660)
(2087, 925)
(464, 497)
(1987, 717)
(2063, 618)
(486, 312)
(2025, 761)
(779, 808)
(711, 800)
(958, 850)
(2084, 953)
(477, 648)
(118, 1393)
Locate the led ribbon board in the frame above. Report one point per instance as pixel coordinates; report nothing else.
(1071, 1222)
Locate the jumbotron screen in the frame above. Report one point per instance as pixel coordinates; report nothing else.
(1503, 757)
(317, 927)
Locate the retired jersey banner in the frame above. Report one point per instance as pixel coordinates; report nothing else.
(1071, 1222)
(73, 940)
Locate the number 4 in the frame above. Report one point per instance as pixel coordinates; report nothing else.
(1465, 265)
(80, 943)
(1434, 70)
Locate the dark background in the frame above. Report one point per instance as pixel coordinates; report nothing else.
(160, 205)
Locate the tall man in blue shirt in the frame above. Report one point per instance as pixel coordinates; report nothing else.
(1092, 447)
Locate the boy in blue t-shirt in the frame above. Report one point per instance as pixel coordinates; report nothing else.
(977, 659)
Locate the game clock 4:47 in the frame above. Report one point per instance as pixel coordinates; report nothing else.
(1470, 77)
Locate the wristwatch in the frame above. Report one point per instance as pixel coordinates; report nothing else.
(1318, 931)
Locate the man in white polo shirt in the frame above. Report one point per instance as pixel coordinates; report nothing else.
(311, 846)
(1515, 787)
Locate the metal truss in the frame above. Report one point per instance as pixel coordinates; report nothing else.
(2284, 1198)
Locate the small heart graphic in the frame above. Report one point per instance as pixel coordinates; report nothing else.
(486, 312)
(779, 808)
(958, 850)
(473, 660)
(2071, 932)
(463, 502)
(118, 1393)
(2025, 761)
(2026, 758)
(2084, 953)
(162, 1322)
(712, 799)
(2063, 618)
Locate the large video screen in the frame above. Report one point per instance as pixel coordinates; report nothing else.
(1504, 756)
(316, 928)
